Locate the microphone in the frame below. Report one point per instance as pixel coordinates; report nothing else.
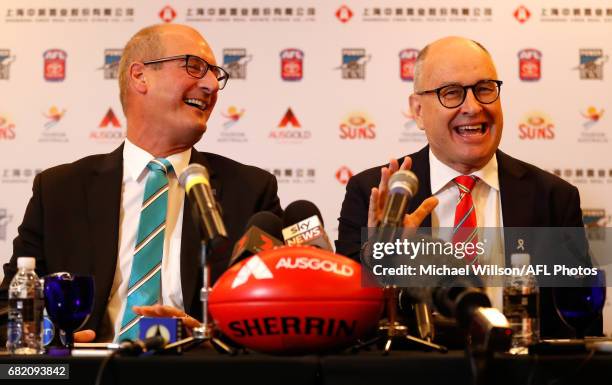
(403, 185)
(137, 347)
(462, 300)
(303, 225)
(195, 181)
(264, 230)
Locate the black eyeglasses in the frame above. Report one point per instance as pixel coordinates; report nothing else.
(196, 67)
(453, 95)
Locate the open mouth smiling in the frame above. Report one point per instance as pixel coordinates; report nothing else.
(472, 129)
(197, 103)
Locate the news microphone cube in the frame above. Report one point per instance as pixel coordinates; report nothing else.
(169, 328)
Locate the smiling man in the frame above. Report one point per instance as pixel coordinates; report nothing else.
(122, 217)
(464, 177)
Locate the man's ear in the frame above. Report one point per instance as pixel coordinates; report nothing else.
(416, 109)
(137, 79)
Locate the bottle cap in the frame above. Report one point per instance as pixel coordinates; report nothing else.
(26, 262)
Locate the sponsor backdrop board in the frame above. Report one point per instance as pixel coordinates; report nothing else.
(319, 89)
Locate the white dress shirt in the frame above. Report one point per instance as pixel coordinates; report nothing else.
(487, 203)
(135, 175)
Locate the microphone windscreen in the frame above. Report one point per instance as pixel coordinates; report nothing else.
(404, 181)
(298, 211)
(268, 222)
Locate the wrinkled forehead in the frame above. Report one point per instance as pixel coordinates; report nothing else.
(458, 63)
(183, 42)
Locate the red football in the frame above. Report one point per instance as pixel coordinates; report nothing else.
(295, 300)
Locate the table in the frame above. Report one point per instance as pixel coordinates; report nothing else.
(205, 366)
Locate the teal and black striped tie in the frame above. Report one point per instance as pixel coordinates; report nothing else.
(144, 287)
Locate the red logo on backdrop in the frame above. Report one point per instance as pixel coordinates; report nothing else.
(530, 64)
(289, 118)
(344, 174)
(110, 118)
(407, 59)
(292, 64)
(167, 14)
(522, 14)
(55, 65)
(344, 14)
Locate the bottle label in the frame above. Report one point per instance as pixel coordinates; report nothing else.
(27, 310)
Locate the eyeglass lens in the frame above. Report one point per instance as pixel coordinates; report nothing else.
(485, 92)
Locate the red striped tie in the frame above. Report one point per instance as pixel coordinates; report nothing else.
(464, 230)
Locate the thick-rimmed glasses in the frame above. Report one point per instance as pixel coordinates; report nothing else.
(196, 67)
(453, 95)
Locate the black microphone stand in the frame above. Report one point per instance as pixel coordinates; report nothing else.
(206, 332)
(393, 330)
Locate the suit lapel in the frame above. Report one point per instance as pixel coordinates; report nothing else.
(190, 240)
(103, 201)
(516, 192)
(518, 201)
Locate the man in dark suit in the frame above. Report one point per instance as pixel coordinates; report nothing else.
(456, 102)
(83, 217)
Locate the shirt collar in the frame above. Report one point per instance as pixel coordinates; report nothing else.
(441, 174)
(135, 160)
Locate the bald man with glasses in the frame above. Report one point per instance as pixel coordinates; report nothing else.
(122, 217)
(457, 103)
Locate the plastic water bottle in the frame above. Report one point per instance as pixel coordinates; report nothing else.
(26, 304)
(521, 306)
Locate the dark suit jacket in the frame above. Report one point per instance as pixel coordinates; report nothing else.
(72, 221)
(530, 197)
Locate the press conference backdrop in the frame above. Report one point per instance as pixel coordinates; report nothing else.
(319, 89)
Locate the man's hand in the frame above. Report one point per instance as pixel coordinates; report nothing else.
(86, 335)
(166, 311)
(378, 198)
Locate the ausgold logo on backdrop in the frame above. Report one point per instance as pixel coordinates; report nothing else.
(354, 63)
(357, 125)
(343, 174)
(530, 64)
(407, 59)
(7, 128)
(536, 125)
(235, 61)
(5, 63)
(292, 64)
(289, 119)
(55, 65)
(109, 128)
(111, 63)
(289, 129)
(591, 64)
